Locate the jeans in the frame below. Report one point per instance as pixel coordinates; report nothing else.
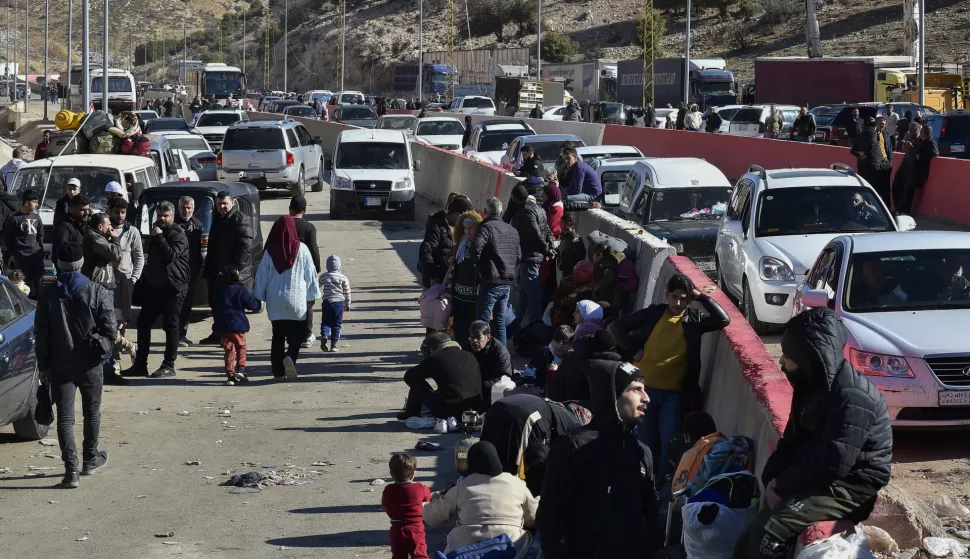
(493, 300)
(288, 336)
(530, 295)
(333, 317)
(108, 368)
(661, 422)
(63, 387)
(168, 305)
(309, 321)
(580, 198)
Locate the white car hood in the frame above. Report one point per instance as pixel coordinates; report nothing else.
(798, 251)
(909, 333)
(211, 129)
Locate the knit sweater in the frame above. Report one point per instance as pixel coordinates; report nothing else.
(286, 294)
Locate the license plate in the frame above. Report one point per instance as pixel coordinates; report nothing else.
(957, 149)
(955, 397)
(705, 265)
(743, 126)
(820, 136)
(254, 174)
(372, 201)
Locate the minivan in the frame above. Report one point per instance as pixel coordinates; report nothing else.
(373, 170)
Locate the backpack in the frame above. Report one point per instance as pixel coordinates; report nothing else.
(136, 145)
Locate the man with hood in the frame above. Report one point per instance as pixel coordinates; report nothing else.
(835, 453)
(570, 382)
(438, 240)
(598, 498)
(66, 358)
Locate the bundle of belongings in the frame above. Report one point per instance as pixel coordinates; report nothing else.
(98, 132)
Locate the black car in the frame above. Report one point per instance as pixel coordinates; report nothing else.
(19, 377)
(166, 124)
(204, 193)
(280, 104)
(951, 131)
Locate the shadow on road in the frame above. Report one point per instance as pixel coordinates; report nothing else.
(363, 538)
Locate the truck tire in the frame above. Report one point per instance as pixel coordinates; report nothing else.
(409, 210)
(25, 427)
(760, 328)
(318, 186)
(299, 189)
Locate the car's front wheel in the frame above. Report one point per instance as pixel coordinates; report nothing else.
(760, 328)
(25, 427)
(409, 210)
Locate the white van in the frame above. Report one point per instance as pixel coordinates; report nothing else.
(373, 170)
(347, 98)
(94, 171)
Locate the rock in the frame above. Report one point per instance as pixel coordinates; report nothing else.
(48, 442)
(183, 413)
(948, 507)
(189, 462)
(162, 534)
(944, 547)
(963, 534)
(908, 553)
(378, 481)
(880, 540)
(908, 519)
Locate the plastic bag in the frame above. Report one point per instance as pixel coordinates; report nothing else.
(499, 388)
(716, 539)
(435, 304)
(851, 546)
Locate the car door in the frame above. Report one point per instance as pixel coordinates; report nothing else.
(311, 152)
(730, 236)
(18, 362)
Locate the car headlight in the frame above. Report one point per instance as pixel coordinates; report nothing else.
(343, 183)
(878, 365)
(773, 269)
(403, 184)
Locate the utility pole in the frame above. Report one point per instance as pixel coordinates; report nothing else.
(539, 43)
(343, 44)
(104, 63)
(85, 55)
(922, 49)
(420, 51)
(6, 58)
(47, 37)
(286, 41)
(70, 52)
(647, 80)
(26, 54)
(687, 59)
(266, 49)
(244, 39)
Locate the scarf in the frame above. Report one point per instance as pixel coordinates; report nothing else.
(465, 242)
(283, 244)
(553, 196)
(589, 310)
(552, 351)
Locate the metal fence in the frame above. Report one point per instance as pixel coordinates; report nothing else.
(478, 66)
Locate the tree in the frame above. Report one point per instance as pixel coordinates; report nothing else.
(642, 26)
(812, 35)
(556, 47)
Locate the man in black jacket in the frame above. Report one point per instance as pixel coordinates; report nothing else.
(230, 245)
(65, 359)
(926, 149)
(664, 341)
(874, 148)
(535, 240)
(438, 241)
(598, 500)
(570, 382)
(497, 253)
(162, 285)
(803, 129)
(492, 356)
(456, 376)
(62, 207)
(23, 238)
(307, 233)
(192, 227)
(466, 136)
(71, 229)
(836, 451)
(714, 121)
(531, 164)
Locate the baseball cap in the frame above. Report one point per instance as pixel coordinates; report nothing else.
(113, 186)
(74, 182)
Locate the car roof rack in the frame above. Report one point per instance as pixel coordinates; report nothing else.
(837, 166)
(761, 171)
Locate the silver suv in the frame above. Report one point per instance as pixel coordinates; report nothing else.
(273, 153)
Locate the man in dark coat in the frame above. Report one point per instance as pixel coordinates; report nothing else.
(836, 451)
(466, 136)
(535, 240)
(192, 227)
(650, 116)
(681, 115)
(71, 229)
(493, 357)
(531, 164)
(515, 422)
(598, 499)
(307, 233)
(714, 121)
(874, 148)
(230, 246)
(456, 376)
(162, 290)
(570, 381)
(803, 129)
(925, 150)
(438, 241)
(497, 253)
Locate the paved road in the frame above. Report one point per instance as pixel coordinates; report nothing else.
(340, 410)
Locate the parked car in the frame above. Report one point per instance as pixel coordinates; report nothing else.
(266, 99)
(204, 194)
(472, 105)
(356, 115)
(777, 222)
(904, 299)
(145, 116)
(347, 98)
(444, 132)
(396, 122)
(373, 170)
(19, 377)
(824, 115)
(170, 163)
(202, 158)
(726, 113)
(166, 124)
(273, 153)
(613, 173)
(302, 111)
(279, 105)
(490, 139)
(212, 125)
(750, 120)
(553, 112)
(838, 128)
(952, 132)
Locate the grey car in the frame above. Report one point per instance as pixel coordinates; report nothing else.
(201, 157)
(273, 153)
(356, 115)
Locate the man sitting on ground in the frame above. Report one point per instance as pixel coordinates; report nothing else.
(455, 373)
(836, 451)
(493, 358)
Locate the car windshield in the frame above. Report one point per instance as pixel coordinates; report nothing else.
(547, 151)
(715, 86)
(223, 83)
(813, 210)
(357, 113)
(908, 280)
(477, 103)
(300, 111)
(93, 180)
(499, 141)
(350, 97)
(253, 138)
(372, 155)
(322, 96)
(399, 123)
(218, 119)
(675, 204)
(189, 143)
(159, 124)
(204, 207)
(610, 110)
(748, 115)
(119, 84)
(440, 128)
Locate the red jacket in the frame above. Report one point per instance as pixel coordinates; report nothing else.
(553, 218)
(403, 502)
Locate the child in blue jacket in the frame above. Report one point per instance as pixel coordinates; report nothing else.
(230, 301)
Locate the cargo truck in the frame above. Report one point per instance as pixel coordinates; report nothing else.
(524, 94)
(592, 80)
(434, 79)
(794, 80)
(711, 84)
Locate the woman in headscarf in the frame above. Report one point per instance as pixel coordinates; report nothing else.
(465, 288)
(552, 203)
(574, 288)
(287, 282)
(589, 319)
(488, 502)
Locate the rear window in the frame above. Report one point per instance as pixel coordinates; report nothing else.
(357, 113)
(845, 117)
(547, 151)
(441, 128)
(499, 141)
(203, 208)
(300, 111)
(218, 119)
(747, 115)
(481, 103)
(727, 114)
(157, 124)
(396, 123)
(187, 143)
(253, 138)
(956, 126)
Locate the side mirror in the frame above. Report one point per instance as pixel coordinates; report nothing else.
(611, 200)
(905, 223)
(815, 298)
(417, 164)
(318, 140)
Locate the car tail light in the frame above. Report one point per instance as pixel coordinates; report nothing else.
(943, 129)
(878, 365)
(290, 160)
(183, 179)
(219, 159)
(207, 159)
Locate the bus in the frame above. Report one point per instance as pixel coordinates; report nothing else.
(214, 79)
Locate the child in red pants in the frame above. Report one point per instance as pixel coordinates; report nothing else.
(231, 299)
(404, 501)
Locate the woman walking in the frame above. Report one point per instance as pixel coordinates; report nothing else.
(465, 277)
(287, 282)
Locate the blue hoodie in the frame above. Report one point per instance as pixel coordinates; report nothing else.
(229, 304)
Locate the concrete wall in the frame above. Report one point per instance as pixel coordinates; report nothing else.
(443, 171)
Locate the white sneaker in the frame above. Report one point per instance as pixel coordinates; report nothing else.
(289, 367)
(452, 425)
(309, 341)
(441, 426)
(420, 422)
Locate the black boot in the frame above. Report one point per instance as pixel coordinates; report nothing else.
(136, 370)
(71, 480)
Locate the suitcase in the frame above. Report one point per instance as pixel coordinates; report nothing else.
(98, 121)
(62, 143)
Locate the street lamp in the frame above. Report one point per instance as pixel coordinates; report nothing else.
(47, 33)
(420, 51)
(104, 63)
(538, 41)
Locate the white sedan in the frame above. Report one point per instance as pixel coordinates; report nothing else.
(905, 301)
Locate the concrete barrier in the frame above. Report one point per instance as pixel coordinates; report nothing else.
(443, 171)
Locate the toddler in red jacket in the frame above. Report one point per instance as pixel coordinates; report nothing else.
(403, 500)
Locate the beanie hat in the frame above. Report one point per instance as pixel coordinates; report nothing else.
(583, 272)
(624, 375)
(333, 263)
(70, 257)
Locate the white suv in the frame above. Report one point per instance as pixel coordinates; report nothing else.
(776, 224)
(273, 153)
(373, 170)
(472, 105)
(212, 125)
